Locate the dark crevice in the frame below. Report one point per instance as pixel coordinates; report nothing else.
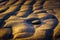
(14, 2)
(3, 1)
(1, 11)
(30, 10)
(2, 21)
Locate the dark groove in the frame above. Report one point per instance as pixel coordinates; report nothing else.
(2, 21)
(41, 4)
(1, 11)
(14, 2)
(49, 17)
(4, 3)
(30, 10)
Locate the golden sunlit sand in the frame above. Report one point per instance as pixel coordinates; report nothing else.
(29, 20)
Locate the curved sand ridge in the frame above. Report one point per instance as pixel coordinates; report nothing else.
(26, 20)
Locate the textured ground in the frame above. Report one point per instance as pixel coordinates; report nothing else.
(29, 20)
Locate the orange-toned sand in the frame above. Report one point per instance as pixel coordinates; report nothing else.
(29, 20)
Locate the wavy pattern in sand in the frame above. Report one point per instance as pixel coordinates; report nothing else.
(26, 20)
